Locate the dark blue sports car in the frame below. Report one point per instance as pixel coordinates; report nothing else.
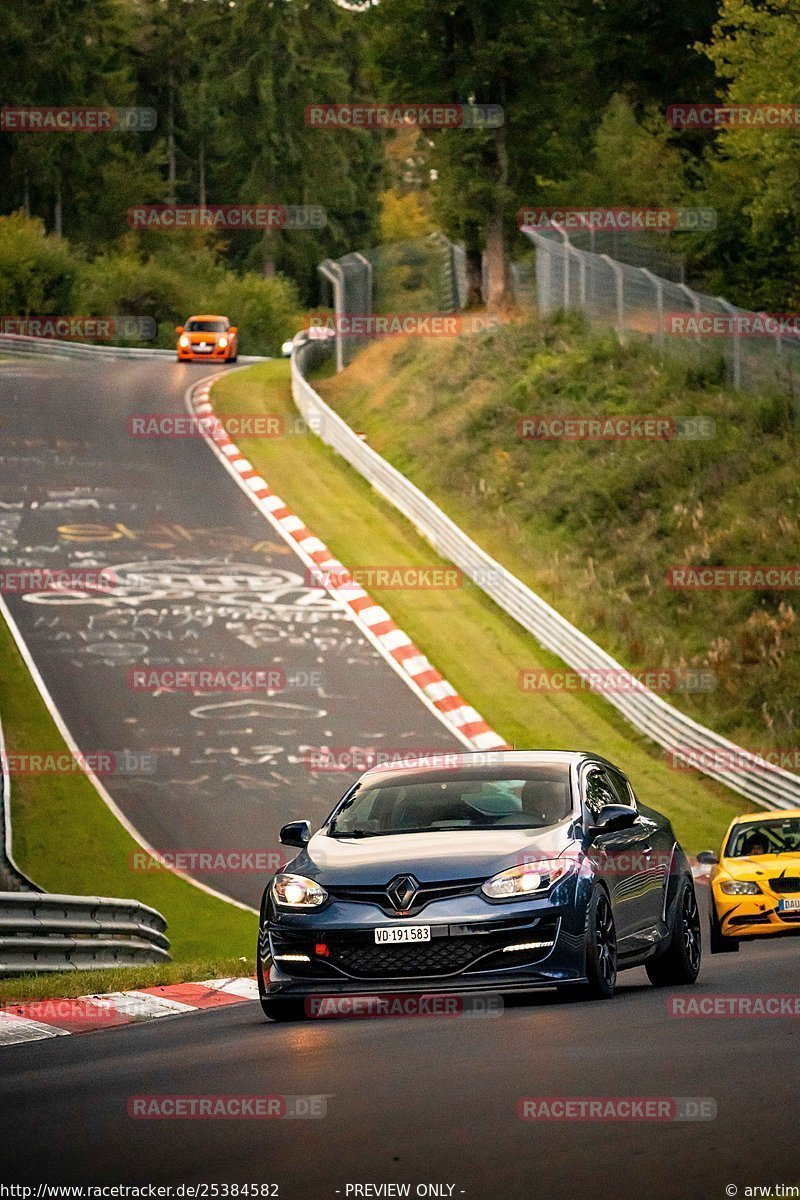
(492, 872)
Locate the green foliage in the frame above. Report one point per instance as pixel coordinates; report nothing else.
(594, 526)
(37, 270)
(171, 287)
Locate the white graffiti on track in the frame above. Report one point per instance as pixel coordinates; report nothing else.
(230, 587)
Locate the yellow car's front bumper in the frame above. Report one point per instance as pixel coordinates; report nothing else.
(754, 916)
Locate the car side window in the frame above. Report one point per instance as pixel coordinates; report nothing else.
(620, 785)
(598, 792)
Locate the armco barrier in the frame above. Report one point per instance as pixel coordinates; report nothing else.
(16, 343)
(40, 932)
(10, 875)
(769, 786)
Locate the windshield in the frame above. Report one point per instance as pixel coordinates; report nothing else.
(775, 835)
(206, 326)
(457, 800)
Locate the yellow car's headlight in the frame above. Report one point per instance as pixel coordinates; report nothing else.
(739, 887)
(295, 891)
(531, 879)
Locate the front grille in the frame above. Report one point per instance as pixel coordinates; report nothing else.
(442, 956)
(426, 894)
(755, 919)
(785, 885)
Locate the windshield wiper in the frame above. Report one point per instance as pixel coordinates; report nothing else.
(353, 833)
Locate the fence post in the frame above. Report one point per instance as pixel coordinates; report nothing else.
(335, 276)
(694, 300)
(737, 349)
(658, 285)
(617, 269)
(363, 258)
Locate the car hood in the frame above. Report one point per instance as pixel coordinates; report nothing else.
(429, 857)
(761, 866)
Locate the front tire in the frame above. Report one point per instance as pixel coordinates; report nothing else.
(719, 943)
(680, 962)
(283, 1010)
(601, 949)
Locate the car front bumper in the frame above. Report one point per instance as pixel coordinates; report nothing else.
(753, 916)
(466, 952)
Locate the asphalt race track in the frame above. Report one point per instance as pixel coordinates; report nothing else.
(426, 1100)
(407, 1100)
(201, 580)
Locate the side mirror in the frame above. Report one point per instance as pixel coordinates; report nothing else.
(179, 329)
(296, 833)
(232, 331)
(613, 816)
(708, 858)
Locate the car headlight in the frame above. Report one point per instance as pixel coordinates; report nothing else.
(295, 891)
(183, 340)
(739, 887)
(528, 880)
(222, 342)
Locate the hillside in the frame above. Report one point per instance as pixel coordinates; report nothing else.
(594, 526)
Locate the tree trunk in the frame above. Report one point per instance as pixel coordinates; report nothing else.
(202, 172)
(171, 170)
(269, 261)
(499, 295)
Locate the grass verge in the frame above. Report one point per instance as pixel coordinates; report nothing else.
(475, 645)
(67, 840)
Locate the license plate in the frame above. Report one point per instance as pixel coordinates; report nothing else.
(792, 905)
(204, 349)
(407, 933)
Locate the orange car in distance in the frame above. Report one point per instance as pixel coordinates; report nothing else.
(207, 337)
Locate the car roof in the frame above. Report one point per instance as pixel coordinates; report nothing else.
(208, 317)
(439, 760)
(766, 814)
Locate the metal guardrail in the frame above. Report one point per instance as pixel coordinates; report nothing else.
(10, 875)
(17, 343)
(40, 932)
(761, 782)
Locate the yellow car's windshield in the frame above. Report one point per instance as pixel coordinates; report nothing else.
(773, 835)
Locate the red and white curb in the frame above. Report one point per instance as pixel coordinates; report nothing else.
(36, 1020)
(392, 642)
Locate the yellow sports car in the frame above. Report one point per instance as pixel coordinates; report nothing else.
(755, 883)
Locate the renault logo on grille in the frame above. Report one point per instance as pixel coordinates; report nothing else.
(402, 891)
